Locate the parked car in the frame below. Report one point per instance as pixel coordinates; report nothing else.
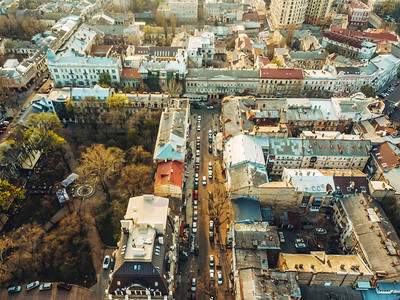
(198, 139)
(210, 107)
(197, 153)
(106, 262)
(45, 286)
(32, 285)
(195, 215)
(198, 127)
(215, 132)
(211, 225)
(196, 194)
(211, 274)
(320, 231)
(281, 237)
(64, 286)
(198, 117)
(196, 177)
(210, 166)
(210, 175)
(212, 262)
(204, 180)
(193, 285)
(195, 204)
(197, 169)
(211, 236)
(14, 289)
(197, 146)
(194, 227)
(219, 275)
(210, 149)
(210, 139)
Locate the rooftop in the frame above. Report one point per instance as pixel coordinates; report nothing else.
(343, 39)
(281, 73)
(169, 172)
(320, 262)
(376, 235)
(256, 235)
(130, 73)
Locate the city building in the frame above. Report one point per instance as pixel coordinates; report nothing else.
(317, 12)
(173, 132)
(288, 13)
(280, 82)
(225, 12)
(359, 13)
(318, 83)
(184, 11)
(325, 269)
(314, 60)
(217, 83)
(348, 46)
(201, 50)
(169, 179)
(367, 232)
(139, 261)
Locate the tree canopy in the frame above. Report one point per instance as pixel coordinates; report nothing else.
(368, 90)
(105, 80)
(9, 194)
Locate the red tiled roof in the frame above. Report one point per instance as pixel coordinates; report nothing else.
(130, 73)
(169, 172)
(385, 156)
(377, 35)
(344, 39)
(358, 5)
(264, 60)
(281, 73)
(248, 16)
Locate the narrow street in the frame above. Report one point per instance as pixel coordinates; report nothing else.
(199, 266)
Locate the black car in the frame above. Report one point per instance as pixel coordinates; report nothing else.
(64, 286)
(197, 146)
(210, 149)
(210, 139)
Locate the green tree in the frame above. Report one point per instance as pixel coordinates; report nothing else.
(128, 89)
(9, 194)
(276, 61)
(41, 133)
(143, 88)
(332, 49)
(368, 90)
(105, 80)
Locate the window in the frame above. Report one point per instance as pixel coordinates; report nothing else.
(155, 283)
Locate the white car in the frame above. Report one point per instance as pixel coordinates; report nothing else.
(45, 286)
(198, 139)
(210, 166)
(195, 203)
(198, 127)
(219, 275)
(194, 227)
(320, 231)
(197, 153)
(211, 274)
(193, 285)
(199, 118)
(281, 237)
(210, 175)
(211, 225)
(196, 177)
(212, 262)
(195, 215)
(106, 262)
(32, 285)
(204, 180)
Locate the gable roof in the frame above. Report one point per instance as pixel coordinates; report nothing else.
(343, 39)
(130, 73)
(281, 73)
(169, 172)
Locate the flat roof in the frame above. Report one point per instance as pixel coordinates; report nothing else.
(320, 262)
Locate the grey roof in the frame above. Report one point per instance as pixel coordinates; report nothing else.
(306, 55)
(249, 235)
(318, 147)
(210, 73)
(321, 292)
(246, 208)
(246, 175)
(348, 70)
(370, 69)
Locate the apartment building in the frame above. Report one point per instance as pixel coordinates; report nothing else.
(201, 50)
(313, 60)
(359, 13)
(185, 11)
(318, 83)
(280, 82)
(288, 13)
(318, 189)
(325, 269)
(139, 260)
(367, 232)
(225, 12)
(318, 11)
(319, 154)
(349, 46)
(216, 83)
